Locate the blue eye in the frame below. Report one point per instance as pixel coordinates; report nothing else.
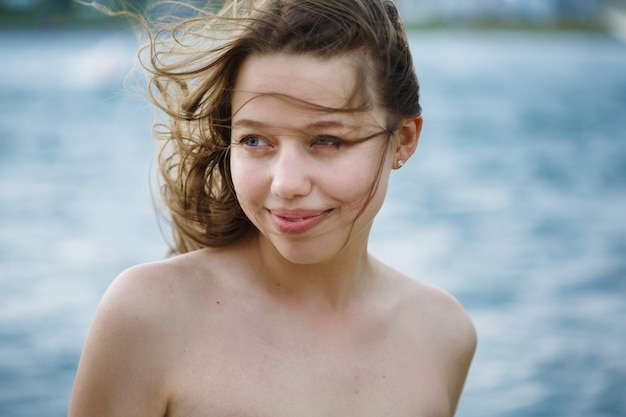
(328, 141)
(252, 141)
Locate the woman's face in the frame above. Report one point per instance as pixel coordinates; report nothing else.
(303, 174)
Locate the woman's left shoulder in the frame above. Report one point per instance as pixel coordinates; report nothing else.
(443, 312)
(426, 308)
(433, 330)
(441, 329)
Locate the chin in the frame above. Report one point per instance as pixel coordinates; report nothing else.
(298, 255)
(314, 251)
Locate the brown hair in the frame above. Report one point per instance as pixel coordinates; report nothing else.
(193, 65)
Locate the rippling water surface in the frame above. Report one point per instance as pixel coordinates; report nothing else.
(514, 202)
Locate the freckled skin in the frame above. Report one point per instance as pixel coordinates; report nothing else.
(300, 323)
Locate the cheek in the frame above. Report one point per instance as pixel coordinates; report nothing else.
(350, 187)
(359, 185)
(248, 181)
(372, 194)
(367, 177)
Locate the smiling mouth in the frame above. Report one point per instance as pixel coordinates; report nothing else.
(296, 222)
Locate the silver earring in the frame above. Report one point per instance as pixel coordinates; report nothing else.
(400, 163)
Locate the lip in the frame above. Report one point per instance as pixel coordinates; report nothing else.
(297, 221)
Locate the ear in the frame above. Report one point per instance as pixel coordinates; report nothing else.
(408, 136)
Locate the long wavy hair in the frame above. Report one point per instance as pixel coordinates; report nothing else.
(193, 62)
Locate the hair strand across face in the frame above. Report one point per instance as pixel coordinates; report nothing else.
(193, 63)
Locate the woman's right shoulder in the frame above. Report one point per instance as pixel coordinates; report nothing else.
(135, 333)
(155, 289)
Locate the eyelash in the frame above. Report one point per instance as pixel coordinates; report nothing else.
(330, 141)
(327, 141)
(248, 138)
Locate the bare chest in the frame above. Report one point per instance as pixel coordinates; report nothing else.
(239, 372)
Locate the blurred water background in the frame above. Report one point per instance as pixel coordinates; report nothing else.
(515, 202)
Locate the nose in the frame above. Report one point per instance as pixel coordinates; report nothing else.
(290, 174)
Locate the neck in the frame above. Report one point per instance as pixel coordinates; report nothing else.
(330, 284)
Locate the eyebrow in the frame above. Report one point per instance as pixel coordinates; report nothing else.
(322, 124)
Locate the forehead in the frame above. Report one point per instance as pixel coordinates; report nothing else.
(286, 89)
(328, 82)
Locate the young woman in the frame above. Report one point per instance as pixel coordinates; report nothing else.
(283, 122)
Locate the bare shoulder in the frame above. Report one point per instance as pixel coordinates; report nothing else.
(444, 312)
(151, 284)
(431, 308)
(428, 307)
(145, 294)
(133, 338)
(439, 331)
(448, 324)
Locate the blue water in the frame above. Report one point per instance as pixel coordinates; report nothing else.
(515, 202)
